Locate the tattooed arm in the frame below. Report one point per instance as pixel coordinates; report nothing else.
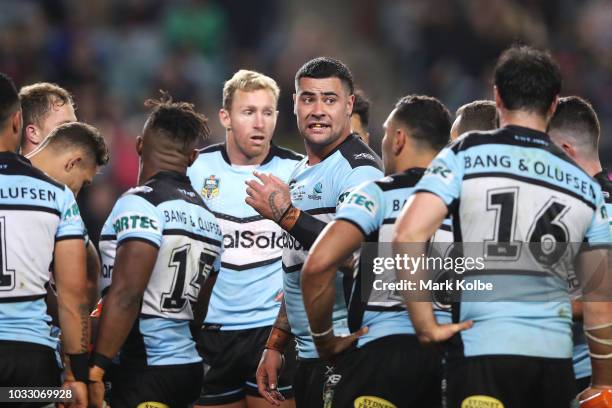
(272, 200)
(73, 307)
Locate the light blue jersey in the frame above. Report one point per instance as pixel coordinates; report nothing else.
(582, 360)
(168, 214)
(35, 213)
(317, 190)
(508, 187)
(373, 208)
(248, 289)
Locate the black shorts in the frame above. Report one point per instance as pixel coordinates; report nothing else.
(511, 382)
(314, 383)
(231, 358)
(393, 371)
(28, 365)
(176, 386)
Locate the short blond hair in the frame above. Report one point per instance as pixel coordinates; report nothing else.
(247, 81)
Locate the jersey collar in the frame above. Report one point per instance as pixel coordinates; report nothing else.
(271, 153)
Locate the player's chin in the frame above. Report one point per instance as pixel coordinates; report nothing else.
(319, 138)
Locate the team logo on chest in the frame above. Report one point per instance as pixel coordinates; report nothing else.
(317, 190)
(211, 187)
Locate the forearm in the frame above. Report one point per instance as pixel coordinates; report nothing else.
(200, 308)
(598, 328)
(319, 291)
(302, 226)
(93, 275)
(73, 310)
(121, 308)
(282, 321)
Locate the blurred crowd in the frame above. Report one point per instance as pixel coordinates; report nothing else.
(114, 54)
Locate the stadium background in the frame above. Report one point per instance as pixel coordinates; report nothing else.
(113, 54)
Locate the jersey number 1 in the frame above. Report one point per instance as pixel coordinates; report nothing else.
(7, 276)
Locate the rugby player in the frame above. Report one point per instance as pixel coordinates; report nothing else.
(337, 161)
(45, 106)
(39, 222)
(166, 243)
(360, 118)
(477, 115)
(517, 354)
(377, 373)
(575, 128)
(72, 154)
(248, 290)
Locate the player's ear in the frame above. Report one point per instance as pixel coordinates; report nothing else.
(552, 108)
(498, 100)
(569, 149)
(72, 163)
(192, 157)
(295, 104)
(399, 140)
(349, 105)
(139, 144)
(17, 121)
(224, 118)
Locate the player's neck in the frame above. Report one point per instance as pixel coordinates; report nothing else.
(316, 153)
(420, 159)
(151, 166)
(592, 167)
(523, 119)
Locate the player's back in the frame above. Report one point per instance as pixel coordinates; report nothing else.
(35, 212)
(317, 190)
(373, 207)
(168, 214)
(517, 200)
(247, 291)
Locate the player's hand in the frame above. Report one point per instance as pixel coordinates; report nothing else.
(96, 387)
(270, 198)
(79, 394)
(267, 376)
(330, 346)
(438, 333)
(601, 393)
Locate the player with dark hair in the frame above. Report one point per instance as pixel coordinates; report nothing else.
(415, 131)
(575, 128)
(336, 162)
(39, 223)
(248, 290)
(45, 106)
(72, 154)
(521, 219)
(477, 115)
(360, 118)
(161, 243)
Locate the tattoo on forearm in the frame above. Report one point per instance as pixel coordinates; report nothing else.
(282, 322)
(290, 219)
(277, 209)
(84, 318)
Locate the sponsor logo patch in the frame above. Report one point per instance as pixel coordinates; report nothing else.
(361, 200)
(368, 401)
(481, 401)
(364, 156)
(152, 404)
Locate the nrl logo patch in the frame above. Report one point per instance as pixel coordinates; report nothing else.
(211, 187)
